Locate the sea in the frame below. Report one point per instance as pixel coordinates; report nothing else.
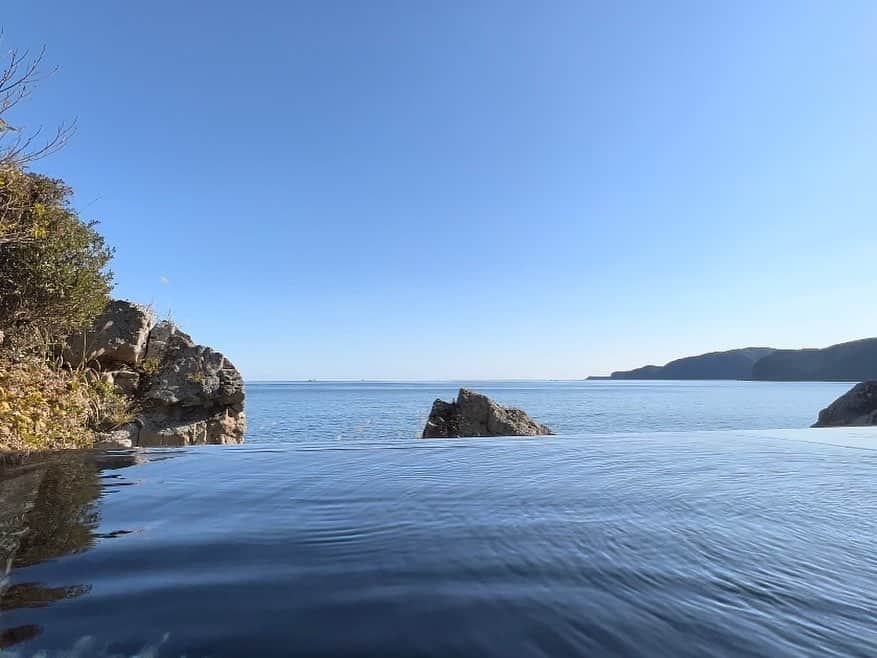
(662, 519)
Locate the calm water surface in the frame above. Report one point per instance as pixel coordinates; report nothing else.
(665, 520)
(285, 412)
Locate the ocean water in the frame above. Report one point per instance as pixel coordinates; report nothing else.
(285, 412)
(664, 519)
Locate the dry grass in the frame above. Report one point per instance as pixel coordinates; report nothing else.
(43, 407)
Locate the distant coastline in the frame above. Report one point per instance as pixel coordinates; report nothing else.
(851, 361)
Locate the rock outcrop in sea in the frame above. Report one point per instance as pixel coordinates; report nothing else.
(474, 414)
(856, 407)
(183, 393)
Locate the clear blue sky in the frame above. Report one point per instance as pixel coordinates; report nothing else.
(474, 190)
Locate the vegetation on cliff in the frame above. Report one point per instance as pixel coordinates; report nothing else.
(53, 282)
(44, 407)
(53, 266)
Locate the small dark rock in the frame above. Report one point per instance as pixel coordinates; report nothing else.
(856, 407)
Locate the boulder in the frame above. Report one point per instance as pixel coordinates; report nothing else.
(227, 427)
(125, 436)
(166, 335)
(187, 394)
(117, 337)
(858, 406)
(195, 376)
(474, 414)
(190, 395)
(165, 434)
(125, 382)
(178, 427)
(104, 443)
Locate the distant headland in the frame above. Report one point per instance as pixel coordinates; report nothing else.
(852, 361)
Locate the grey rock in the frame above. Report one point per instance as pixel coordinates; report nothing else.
(167, 434)
(856, 407)
(227, 427)
(194, 397)
(474, 414)
(124, 437)
(166, 336)
(443, 421)
(126, 382)
(195, 376)
(186, 427)
(118, 336)
(113, 444)
(189, 394)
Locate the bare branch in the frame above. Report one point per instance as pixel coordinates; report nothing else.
(17, 80)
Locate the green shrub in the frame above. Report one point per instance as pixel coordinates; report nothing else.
(54, 281)
(109, 408)
(53, 266)
(150, 365)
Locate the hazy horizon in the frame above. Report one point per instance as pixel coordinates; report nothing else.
(500, 190)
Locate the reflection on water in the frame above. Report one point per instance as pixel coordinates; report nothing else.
(12, 636)
(48, 509)
(34, 595)
(663, 544)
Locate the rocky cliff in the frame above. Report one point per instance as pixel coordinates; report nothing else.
(182, 393)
